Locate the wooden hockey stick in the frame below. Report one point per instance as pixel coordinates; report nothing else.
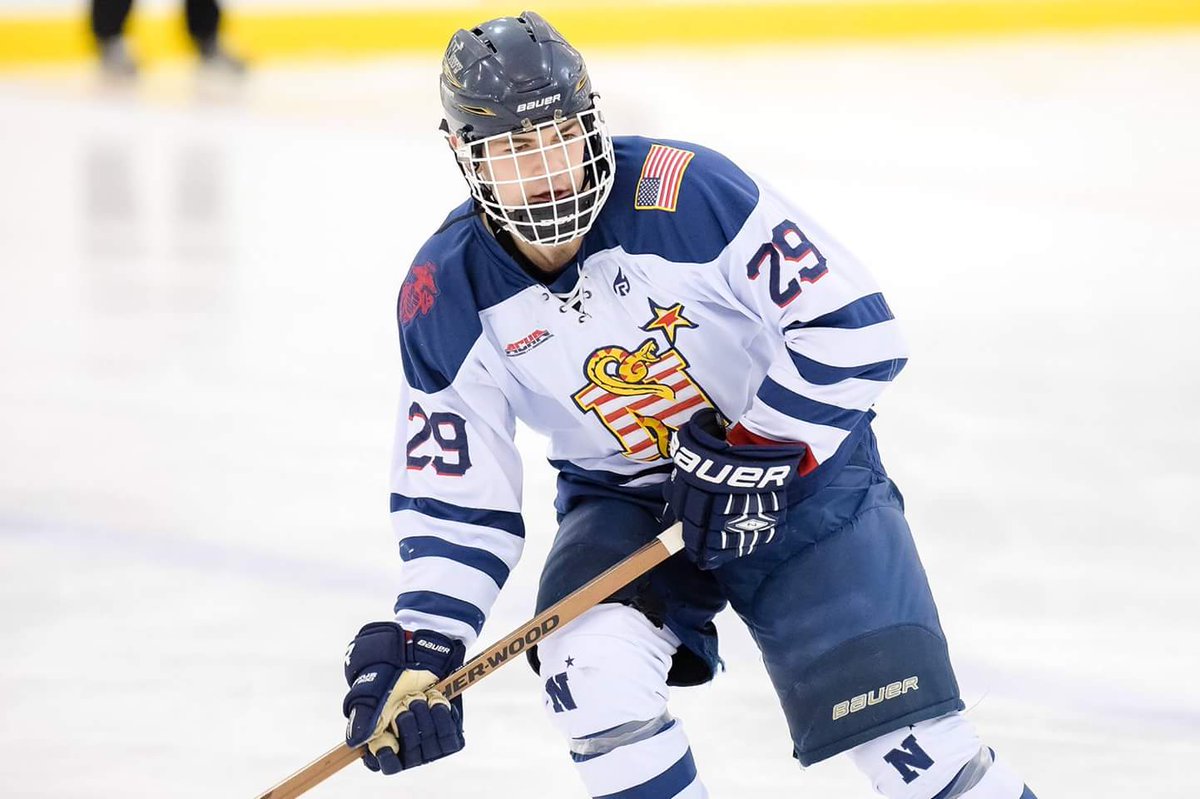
(593, 593)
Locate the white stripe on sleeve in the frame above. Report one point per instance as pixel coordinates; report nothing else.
(503, 545)
(450, 578)
(835, 346)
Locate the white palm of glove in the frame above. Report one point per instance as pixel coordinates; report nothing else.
(413, 685)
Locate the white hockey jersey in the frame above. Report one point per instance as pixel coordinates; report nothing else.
(698, 285)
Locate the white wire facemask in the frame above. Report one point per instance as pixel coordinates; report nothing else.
(546, 183)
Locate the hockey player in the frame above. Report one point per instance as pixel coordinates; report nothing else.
(696, 348)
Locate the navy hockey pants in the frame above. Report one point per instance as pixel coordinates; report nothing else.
(838, 604)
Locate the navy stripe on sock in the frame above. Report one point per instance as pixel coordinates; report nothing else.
(665, 785)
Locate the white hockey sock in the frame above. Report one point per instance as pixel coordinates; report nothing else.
(941, 758)
(991, 779)
(606, 690)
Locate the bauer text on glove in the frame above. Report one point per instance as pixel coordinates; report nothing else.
(730, 499)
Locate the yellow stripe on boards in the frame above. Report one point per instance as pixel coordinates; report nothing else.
(341, 32)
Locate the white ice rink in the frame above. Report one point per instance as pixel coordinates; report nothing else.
(198, 368)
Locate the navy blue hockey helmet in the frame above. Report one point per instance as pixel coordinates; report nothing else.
(508, 73)
(517, 76)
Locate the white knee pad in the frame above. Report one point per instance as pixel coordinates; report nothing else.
(941, 758)
(605, 670)
(606, 690)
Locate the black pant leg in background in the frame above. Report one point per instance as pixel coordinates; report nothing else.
(108, 17)
(203, 17)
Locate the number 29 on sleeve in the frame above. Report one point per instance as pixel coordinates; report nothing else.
(449, 433)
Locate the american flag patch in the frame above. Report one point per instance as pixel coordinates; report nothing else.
(658, 187)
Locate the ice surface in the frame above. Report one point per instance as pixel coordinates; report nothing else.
(198, 370)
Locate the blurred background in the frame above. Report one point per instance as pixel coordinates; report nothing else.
(201, 243)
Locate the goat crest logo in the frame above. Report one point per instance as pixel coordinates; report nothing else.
(640, 396)
(418, 293)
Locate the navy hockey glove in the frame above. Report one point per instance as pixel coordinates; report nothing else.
(391, 706)
(729, 498)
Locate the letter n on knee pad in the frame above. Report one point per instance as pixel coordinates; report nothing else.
(909, 759)
(558, 691)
